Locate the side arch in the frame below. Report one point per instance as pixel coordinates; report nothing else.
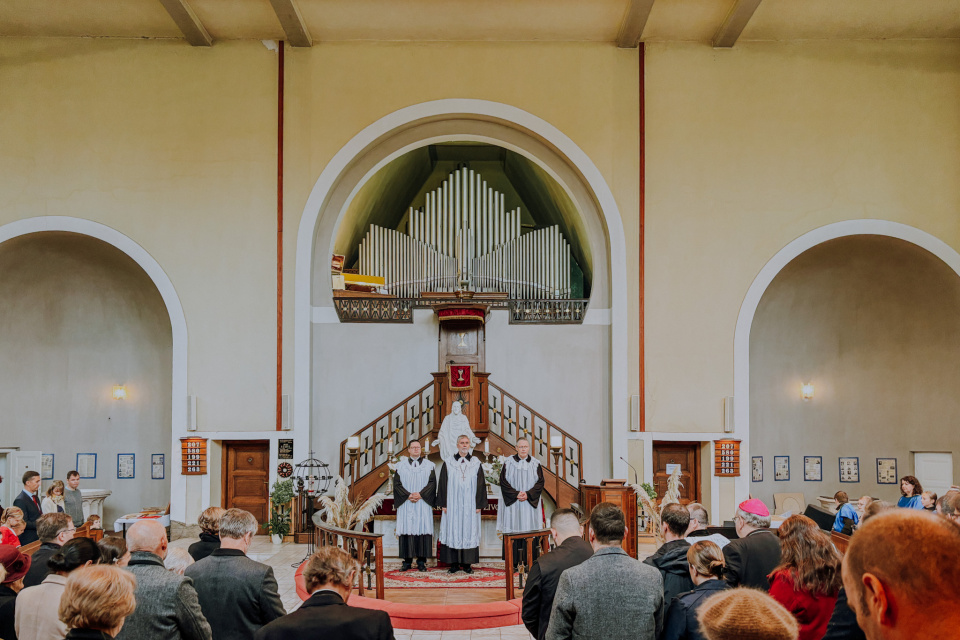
(178, 324)
(741, 346)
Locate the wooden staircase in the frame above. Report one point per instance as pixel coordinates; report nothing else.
(503, 419)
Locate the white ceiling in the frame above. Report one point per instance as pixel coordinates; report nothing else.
(488, 20)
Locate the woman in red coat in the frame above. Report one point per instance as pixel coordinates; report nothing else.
(808, 578)
(11, 526)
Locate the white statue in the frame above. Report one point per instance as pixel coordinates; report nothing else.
(454, 425)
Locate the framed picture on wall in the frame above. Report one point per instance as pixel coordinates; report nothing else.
(87, 465)
(46, 466)
(781, 468)
(157, 467)
(757, 467)
(126, 468)
(886, 471)
(813, 468)
(850, 469)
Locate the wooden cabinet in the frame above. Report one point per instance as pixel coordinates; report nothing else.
(666, 456)
(617, 492)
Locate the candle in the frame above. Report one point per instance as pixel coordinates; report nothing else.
(390, 446)
(486, 445)
(353, 443)
(556, 441)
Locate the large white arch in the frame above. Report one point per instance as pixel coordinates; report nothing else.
(522, 120)
(741, 341)
(178, 325)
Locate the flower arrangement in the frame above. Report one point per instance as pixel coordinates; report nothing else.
(280, 498)
(491, 469)
(341, 512)
(646, 499)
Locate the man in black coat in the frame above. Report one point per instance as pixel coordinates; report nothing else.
(570, 550)
(671, 557)
(751, 558)
(237, 595)
(329, 576)
(54, 530)
(30, 504)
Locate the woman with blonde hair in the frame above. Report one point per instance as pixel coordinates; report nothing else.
(209, 522)
(96, 601)
(807, 580)
(11, 526)
(706, 571)
(53, 501)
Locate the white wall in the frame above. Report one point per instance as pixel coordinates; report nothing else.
(78, 317)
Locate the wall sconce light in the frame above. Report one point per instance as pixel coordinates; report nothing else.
(119, 392)
(806, 391)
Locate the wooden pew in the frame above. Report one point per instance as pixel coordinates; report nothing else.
(82, 532)
(840, 541)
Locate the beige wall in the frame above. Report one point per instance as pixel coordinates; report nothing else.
(872, 323)
(748, 149)
(78, 317)
(174, 146)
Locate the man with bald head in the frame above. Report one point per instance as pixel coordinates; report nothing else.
(167, 604)
(898, 578)
(569, 550)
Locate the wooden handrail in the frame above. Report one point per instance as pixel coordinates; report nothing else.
(393, 431)
(571, 458)
(543, 535)
(841, 541)
(82, 531)
(358, 544)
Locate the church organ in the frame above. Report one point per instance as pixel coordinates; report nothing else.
(464, 239)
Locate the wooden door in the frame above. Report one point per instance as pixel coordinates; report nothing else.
(687, 455)
(246, 477)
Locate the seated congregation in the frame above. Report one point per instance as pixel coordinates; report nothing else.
(787, 583)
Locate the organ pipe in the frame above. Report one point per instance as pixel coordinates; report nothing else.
(463, 233)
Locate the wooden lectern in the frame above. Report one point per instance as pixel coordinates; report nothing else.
(617, 492)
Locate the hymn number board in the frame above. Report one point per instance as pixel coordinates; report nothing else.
(726, 458)
(193, 456)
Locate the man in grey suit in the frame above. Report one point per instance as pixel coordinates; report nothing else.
(610, 596)
(238, 595)
(167, 605)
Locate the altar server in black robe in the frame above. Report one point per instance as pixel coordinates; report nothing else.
(461, 493)
(414, 493)
(521, 483)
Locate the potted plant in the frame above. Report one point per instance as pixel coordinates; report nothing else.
(279, 524)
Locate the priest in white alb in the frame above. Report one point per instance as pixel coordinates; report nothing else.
(461, 494)
(414, 492)
(521, 483)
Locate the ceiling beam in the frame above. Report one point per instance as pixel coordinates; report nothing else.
(188, 22)
(634, 20)
(735, 23)
(292, 22)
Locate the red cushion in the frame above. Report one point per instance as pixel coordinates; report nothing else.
(429, 617)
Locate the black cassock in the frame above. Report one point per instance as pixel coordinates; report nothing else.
(449, 555)
(415, 546)
(509, 498)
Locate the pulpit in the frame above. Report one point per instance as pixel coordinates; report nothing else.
(620, 494)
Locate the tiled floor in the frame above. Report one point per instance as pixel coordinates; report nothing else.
(286, 557)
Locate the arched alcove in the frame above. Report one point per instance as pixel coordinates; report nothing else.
(865, 311)
(80, 316)
(391, 354)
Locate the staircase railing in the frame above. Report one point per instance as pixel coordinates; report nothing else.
(508, 420)
(409, 420)
(511, 419)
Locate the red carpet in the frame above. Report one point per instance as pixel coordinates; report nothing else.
(427, 617)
